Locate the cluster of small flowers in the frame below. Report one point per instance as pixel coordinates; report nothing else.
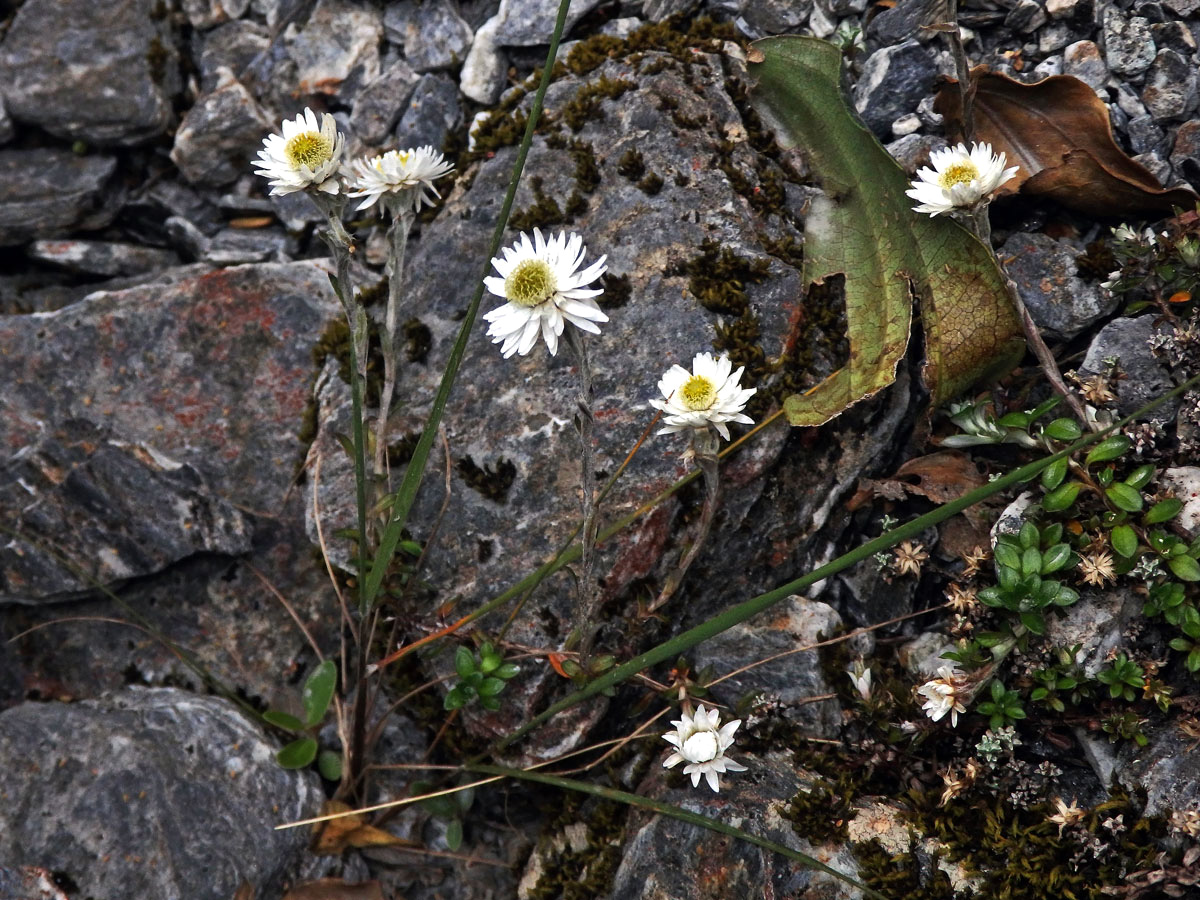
(307, 156)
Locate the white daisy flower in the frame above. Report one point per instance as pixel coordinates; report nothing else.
(544, 288)
(701, 744)
(403, 178)
(959, 179)
(306, 155)
(945, 694)
(707, 395)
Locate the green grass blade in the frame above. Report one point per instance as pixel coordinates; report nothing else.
(674, 812)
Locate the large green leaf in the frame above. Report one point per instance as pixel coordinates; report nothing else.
(863, 228)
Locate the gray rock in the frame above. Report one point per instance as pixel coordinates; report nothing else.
(660, 855)
(210, 371)
(1129, 101)
(894, 80)
(1166, 769)
(1144, 135)
(208, 13)
(792, 680)
(1182, 8)
(44, 193)
(1061, 303)
(1170, 88)
(1067, 9)
(220, 134)
(906, 125)
(137, 780)
(433, 35)
(378, 106)
(128, 511)
(238, 246)
(529, 23)
(776, 16)
(903, 21)
(913, 150)
(1145, 377)
(1185, 154)
(1096, 623)
(1026, 17)
(1048, 67)
(233, 46)
(28, 883)
(170, 197)
(1128, 45)
(1082, 59)
(485, 68)
(105, 258)
(99, 72)
(337, 49)
(660, 10)
(1055, 36)
(7, 129)
(433, 111)
(1184, 482)
(822, 24)
(1174, 36)
(1156, 166)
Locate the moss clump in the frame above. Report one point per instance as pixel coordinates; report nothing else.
(651, 184)
(617, 291)
(1096, 261)
(585, 106)
(543, 213)
(901, 877)
(400, 452)
(590, 54)
(588, 873)
(718, 278)
(492, 480)
(631, 165)
(822, 815)
(587, 170)
(418, 340)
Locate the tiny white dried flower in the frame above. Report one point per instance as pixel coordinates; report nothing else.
(1066, 815)
(960, 178)
(700, 743)
(306, 155)
(710, 394)
(544, 288)
(944, 694)
(403, 179)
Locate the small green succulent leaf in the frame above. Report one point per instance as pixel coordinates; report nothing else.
(298, 754)
(283, 720)
(1124, 541)
(318, 692)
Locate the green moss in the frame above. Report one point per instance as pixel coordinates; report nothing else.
(418, 340)
(543, 213)
(586, 874)
(617, 291)
(1097, 261)
(585, 106)
(587, 170)
(631, 165)
(157, 57)
(493, 480)
(822, 815)
(651, 184)
(590, 54)
(718, 278)
(903, 876)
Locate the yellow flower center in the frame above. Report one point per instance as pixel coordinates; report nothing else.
(698, 393)
(958, 173)
(531, 283)
(309, 148)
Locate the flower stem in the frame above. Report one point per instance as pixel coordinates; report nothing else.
(397, 245)
(585, 422)
(704, 448)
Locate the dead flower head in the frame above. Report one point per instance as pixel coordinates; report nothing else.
(909, 556)
(1096, 389)
(956, 783)
(1066, 815)
(962, 597)
(974, 561)
(1097, 568)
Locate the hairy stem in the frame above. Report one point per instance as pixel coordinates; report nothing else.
(397, 245)
(585, 422)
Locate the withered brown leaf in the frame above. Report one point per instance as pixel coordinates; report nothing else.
(1057, 130)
